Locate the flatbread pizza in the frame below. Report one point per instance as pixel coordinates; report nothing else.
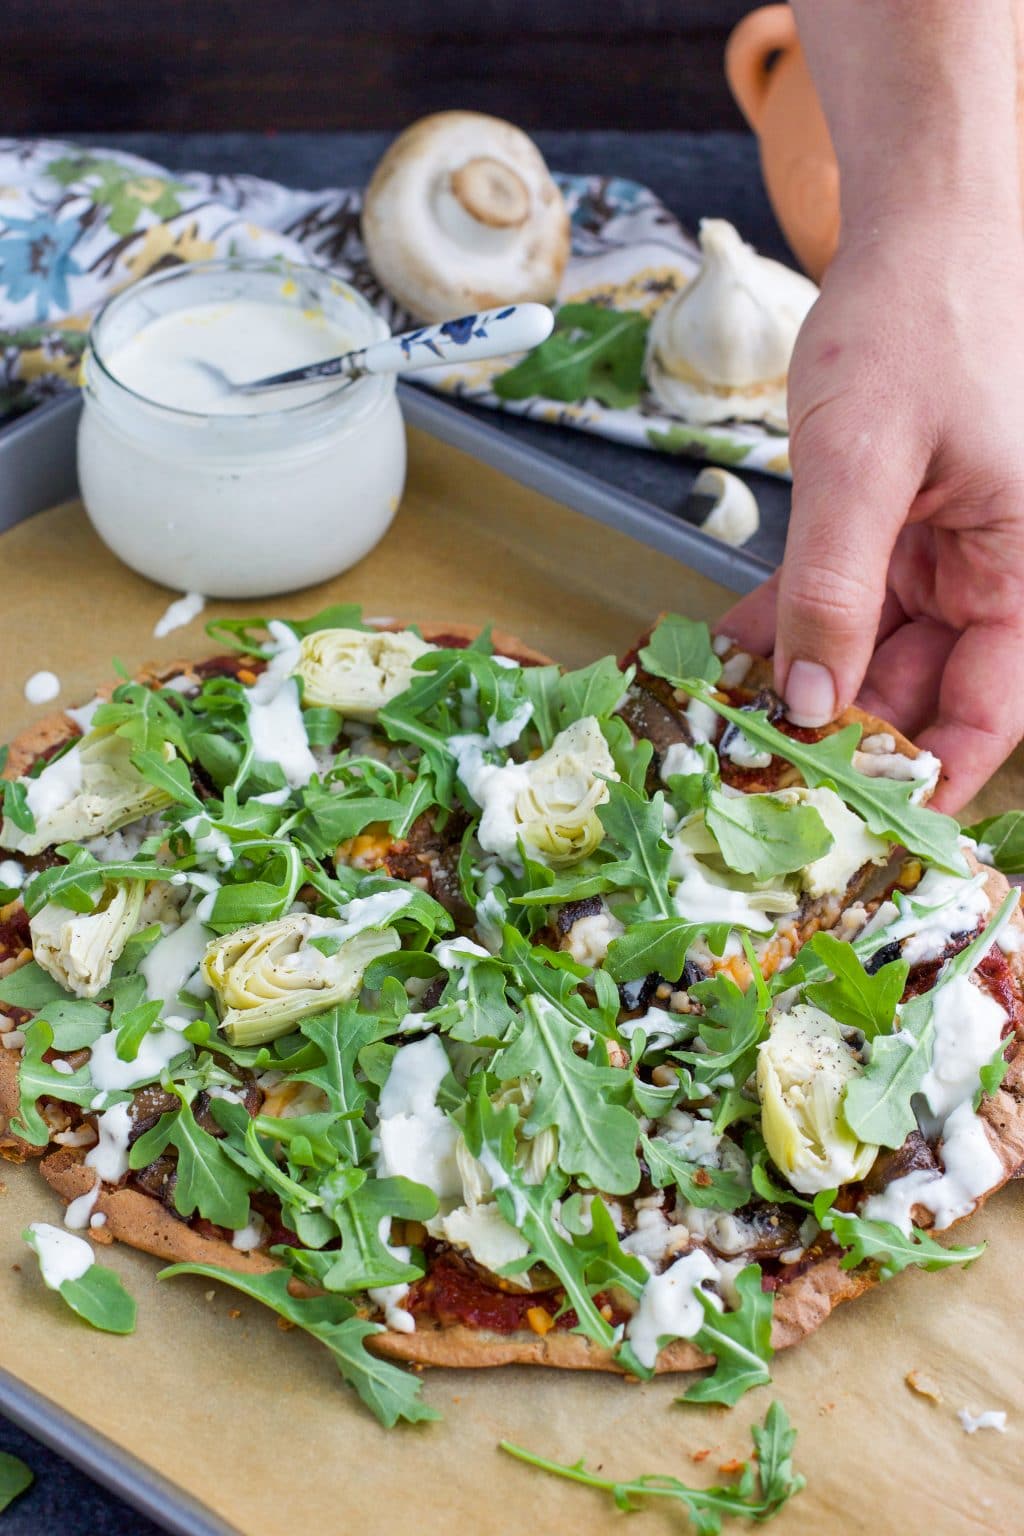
(479, 1012)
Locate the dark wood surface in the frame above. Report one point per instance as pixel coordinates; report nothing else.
(219, 65)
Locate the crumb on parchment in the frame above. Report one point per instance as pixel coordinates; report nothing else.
(923, 1385)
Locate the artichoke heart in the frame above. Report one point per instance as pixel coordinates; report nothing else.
(357, 671)
(557, 795)
(803, 1071)
(91, 790)
(79, 949)
(269, 975)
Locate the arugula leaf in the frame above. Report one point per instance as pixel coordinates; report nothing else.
(881, 1243)
(1004, 836)
(365, 1259)
(586, 1102)
(703, 1187)
(172, 777)
(764, 837)
(632, 758)
(884, 804)
(97, 1296)
(37, 1079)
(31, 987)
(555, 975)
(208, 1180)
(593, 690)
(660, 947)
(389, 1392)
(248, 900)
(593, 353)
(147, 717)
(607, 1262)
(16, 807)
(854, 996)
(680, 648)
(741, 1342)
(474, 1006)
(706, 1507)
(540, 685)
(240, 634)
(340, 1034)
(75, 1022)
(490, 1136)
(878, 1102)
(15, 1478)
(633, 828)
(991, 1076)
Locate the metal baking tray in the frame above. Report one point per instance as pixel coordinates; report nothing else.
(641, 493)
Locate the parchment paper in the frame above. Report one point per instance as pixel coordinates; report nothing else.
(254, 1421)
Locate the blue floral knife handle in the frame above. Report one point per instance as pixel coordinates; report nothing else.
(492, 333)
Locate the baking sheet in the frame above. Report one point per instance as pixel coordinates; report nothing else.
(254, 1423)
(642, 494)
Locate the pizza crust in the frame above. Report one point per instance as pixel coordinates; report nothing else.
(142, 1221)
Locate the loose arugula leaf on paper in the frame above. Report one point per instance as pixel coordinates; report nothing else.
(96, 1295)
(755, 1495)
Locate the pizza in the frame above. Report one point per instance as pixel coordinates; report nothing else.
(469, 1011)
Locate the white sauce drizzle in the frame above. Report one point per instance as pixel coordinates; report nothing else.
(179, 613)
(42, 687)
(670, 1307)
(62, 1256)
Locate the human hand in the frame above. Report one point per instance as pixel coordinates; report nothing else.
(902, 585)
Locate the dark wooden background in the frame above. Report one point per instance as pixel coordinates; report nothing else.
(216, 65)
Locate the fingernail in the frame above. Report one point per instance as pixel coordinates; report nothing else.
(810, 694)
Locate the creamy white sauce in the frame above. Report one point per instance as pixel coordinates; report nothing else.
(680, 758)
(989, 1418)
(960, 903)
(275, 718)
(670, 1307)
(109, 1157)
(173, 962)
(158, 1049)
(179, 613)
(249, 1237)
(702, 720)
(246, 338)
(58, 784)
(415, 1138)
(971, 1168)
(78, 1215)
(62, 1256)
(390, 1297)
(42, 687)
(967, 1025)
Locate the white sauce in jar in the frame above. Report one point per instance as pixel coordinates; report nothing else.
(210, 492)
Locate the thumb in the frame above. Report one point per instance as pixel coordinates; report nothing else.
(848, 510)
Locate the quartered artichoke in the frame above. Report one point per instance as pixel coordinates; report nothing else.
(89, 791)
(357, 671)
(79, 949)
(267, 976)
(803, 1070)
(550, 803)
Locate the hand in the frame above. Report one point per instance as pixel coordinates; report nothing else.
(902, 585)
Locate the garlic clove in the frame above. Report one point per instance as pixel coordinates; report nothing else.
(462, 214)
(734, 518)
(720, 349)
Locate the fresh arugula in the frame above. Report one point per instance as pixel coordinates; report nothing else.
(719, 1189)
(881, 1243)
(878, 1104)
(886, 805)
(361, 1214)
(15, 1478)
(740, 1340)
(660, 947)
(97, 1296)
(37, 1079)
(243, 634)
(490, 1136)
(1004, 839)
(207, 1181)
(585, 1101)
(389, 1392)
(593, 353)
(764, 837)
(854, 996)
(680, 648)
(755, 1495)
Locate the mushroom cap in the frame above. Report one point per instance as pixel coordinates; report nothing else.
(462, 214)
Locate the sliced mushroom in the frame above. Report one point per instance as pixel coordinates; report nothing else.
(462, 214)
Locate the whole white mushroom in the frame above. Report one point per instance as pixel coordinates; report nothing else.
(461, 214)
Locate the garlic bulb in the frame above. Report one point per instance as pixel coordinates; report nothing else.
(462, 214)
(720, 349)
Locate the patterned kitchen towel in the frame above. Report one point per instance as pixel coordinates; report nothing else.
(76, 225)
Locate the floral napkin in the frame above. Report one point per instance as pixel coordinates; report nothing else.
(76, 225)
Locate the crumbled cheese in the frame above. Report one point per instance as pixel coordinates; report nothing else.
(680, 758)
(959, 904)
(249, 1237)
(12, 874)
(922, 770)
(734, 670)
(589, 937)
(702, 720)
(990, 1418)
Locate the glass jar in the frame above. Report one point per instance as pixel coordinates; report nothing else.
(250, 496)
